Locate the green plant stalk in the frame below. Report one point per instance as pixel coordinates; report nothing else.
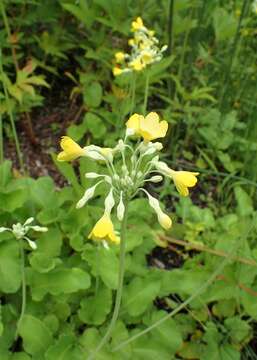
(194, 295)
(230, 63)
(23, 286)
(146, 93)
(16, 140)
(8, 30)
(120, 285)
(133, 93)
(170, 38)
(1, 141)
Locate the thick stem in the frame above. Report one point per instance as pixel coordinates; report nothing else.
(23, 285)
(120, 286)
(146, 93)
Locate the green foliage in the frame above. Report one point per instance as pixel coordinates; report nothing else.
(205, 87)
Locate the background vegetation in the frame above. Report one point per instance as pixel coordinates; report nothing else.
(56, 61)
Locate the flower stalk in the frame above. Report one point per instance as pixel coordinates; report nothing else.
(120, 284)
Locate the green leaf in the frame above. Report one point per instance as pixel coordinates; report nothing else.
(167, 334)
(95, 125)
(41, 262)
(104, 263)
(58, 281)
(50, 242)
(35, 335)
(10, 276)
(224, 23)
(238, 329)
(139, 295)
(93, 94)
(94, 309)
(244, 202)
(65, 348)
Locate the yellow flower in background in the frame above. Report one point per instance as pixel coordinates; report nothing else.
(149, 127)
(137, 64)
(184, 180)
(152, 128)
(71, 150)
(117, 71)
(104, 230)
(119, 56)
(137, 24)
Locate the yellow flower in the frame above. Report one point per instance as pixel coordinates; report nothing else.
(133, 123)
(119, 57)
(117, 71)
(137, 24)
(71, 150)
(131, 42)
(151, 128)
(104, 230)
(147, 57)
(136, 64)
(184, 180)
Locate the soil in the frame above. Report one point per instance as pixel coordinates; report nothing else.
(49, 123)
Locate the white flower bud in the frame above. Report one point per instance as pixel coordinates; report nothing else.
(163, 219)
(18, 230)
(89, 193)
(39, 228)
(120, 146)
(163, 167)
(92, 175)
(156, 178)
(116, 177)
(120, 208)
(109, 202)
(31, 243)
(2, 229)
(28, 221)
(158, 146)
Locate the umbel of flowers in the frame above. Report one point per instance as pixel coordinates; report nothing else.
(145, 50)
(129, 167)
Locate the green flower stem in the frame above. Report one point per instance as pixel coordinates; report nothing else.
(23, 286)
(133, 93)
(146, 93)
(231, 58)
(195, 294)
(9, 110)
(120, 286)
(170, 39)
(1, 141)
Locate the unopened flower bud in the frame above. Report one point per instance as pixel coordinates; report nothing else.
(39, 228)
(28, 221)
(156, 178)
(120, 208)
(31, 243)
(92, 175)
(109, 202)
(163, 219)
(89, 193)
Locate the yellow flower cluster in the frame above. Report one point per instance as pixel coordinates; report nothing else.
(144, 50)
(125, 183)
